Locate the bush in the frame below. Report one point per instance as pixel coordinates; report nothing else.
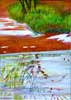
(67, 22)
(15, 12)
(41, 18)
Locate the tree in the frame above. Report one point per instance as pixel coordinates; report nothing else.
(35, 3)
(23, 5)
(27, 4)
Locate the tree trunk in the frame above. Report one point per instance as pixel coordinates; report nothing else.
(23, 6)
(35, 3)
(28, 4)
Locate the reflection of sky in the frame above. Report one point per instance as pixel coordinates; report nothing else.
(56, 67)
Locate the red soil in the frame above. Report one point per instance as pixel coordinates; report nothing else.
(62, 5)
(3, 7)
(15, 44)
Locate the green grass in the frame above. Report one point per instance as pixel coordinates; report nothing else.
(15, 12)
(41, 18)
(67, 22)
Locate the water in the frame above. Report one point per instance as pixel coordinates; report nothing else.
(55, 87)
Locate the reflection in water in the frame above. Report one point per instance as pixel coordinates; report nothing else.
(10, 96)
(16, 84)
(32, 96)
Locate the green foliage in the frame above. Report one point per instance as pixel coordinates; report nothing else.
(67, 22)
(15, 12)
(41, 18)
(36, 21)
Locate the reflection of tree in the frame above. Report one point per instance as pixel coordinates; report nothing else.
(56, 97)
(28, 4)
(11, 73)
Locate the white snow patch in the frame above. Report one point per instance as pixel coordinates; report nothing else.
(63, 37)
(7, 19)
(17, 32)
(7, 23)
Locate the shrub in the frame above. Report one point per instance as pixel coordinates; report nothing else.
(15, 12)
(67, 22)
(41, 18)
